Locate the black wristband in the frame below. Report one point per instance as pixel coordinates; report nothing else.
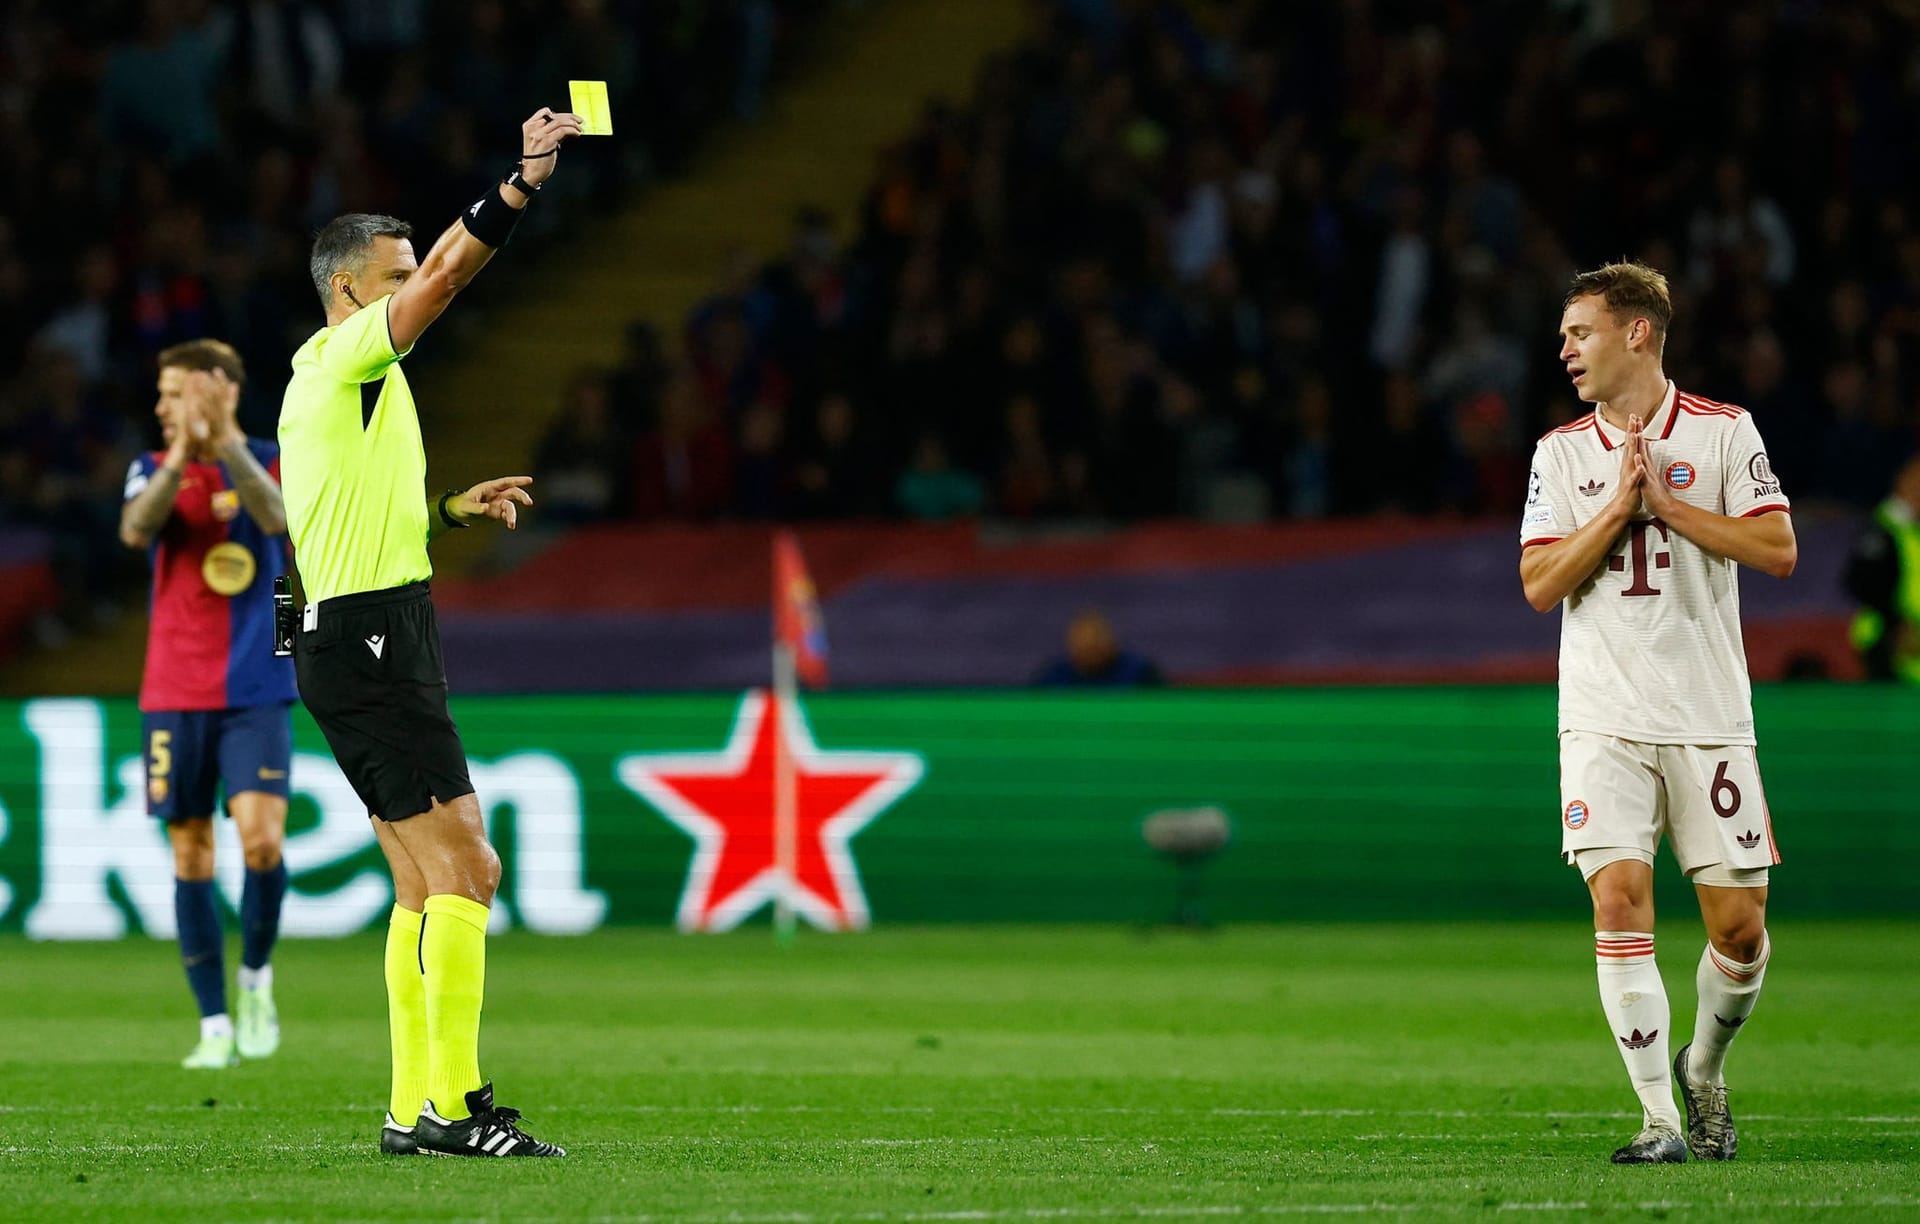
(540, 156)
(491, 219)
(519, 183)
(446, 518)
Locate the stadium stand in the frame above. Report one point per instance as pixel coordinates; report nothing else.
(1229, 261)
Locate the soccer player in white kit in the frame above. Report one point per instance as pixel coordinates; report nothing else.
(1636, 516)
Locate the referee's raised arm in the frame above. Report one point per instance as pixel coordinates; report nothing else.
(422, 294)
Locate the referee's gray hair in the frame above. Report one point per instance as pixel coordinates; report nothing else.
(343, 242)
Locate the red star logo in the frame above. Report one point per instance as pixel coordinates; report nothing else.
(725, 802)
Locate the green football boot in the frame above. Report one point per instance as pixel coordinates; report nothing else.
(257, 1025)
(212, 1054)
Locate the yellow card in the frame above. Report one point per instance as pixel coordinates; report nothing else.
(590, 103)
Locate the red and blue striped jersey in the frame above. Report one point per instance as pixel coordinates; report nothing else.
(210, 636)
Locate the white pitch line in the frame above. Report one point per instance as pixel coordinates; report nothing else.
(1039, 1111)
(1237, 1211)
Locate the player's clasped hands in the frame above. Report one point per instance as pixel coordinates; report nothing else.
(213, 405)
(1633, 469)
(540, 139)
(1638, 483)
(208, 409)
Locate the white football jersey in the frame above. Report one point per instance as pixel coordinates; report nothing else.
(1650, 646)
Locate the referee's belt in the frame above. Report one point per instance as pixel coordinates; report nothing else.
(361, 600)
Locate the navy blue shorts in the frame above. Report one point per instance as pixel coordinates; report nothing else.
(188, 751)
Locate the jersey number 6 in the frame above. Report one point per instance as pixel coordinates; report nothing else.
(1723, 784)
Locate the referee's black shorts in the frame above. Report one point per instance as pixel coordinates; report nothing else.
(371, 674)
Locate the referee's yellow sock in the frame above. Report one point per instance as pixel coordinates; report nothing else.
(406, 1015)
(453, 955)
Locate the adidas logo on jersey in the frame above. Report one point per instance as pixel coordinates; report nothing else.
(376, 644)
(1592, 487)
(1748, 840)
(1637, 1042)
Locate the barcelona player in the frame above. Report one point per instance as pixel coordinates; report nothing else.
(215, 703)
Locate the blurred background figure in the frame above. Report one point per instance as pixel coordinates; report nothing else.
(584, 460)
(1096, 659)
(1883, 577)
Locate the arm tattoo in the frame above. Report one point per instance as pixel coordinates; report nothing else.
(257, 490)
(147, 512)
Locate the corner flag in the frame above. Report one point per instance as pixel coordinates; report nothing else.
(796, 612)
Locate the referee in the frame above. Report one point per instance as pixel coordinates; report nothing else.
(353, 475)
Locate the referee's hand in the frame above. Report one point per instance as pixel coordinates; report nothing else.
(499, 498)
(540, 138)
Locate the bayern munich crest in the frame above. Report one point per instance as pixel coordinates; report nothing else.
(1576, 814)
(1680, 475)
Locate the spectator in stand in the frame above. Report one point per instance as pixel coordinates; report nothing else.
(1095, 659)
(932, 490)
(834, 472)
(640, 379)
(583, 459)
(158, 91)
(683, 468)
(74, 449)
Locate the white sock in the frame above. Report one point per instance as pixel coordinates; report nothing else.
(1728, 991)
(1635, 1001)
(215, 1026)
(256, 979)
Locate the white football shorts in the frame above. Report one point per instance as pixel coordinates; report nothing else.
(1704, 799)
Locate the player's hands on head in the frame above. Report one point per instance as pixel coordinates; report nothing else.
(540, 138)
(499, 498)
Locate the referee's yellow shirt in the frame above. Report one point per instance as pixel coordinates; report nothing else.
(353, 472)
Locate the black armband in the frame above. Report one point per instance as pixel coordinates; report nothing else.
(446, 518)
(491, 219)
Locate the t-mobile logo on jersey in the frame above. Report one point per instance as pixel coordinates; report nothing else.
(1636, 553)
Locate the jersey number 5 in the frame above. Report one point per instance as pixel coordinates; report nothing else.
(1636, 557)
(160, 753)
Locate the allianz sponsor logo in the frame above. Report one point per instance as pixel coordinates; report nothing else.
(96, 838)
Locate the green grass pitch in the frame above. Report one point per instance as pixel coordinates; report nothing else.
(973, 1074)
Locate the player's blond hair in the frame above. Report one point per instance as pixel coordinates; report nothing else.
(1630, 289)
(205, 355)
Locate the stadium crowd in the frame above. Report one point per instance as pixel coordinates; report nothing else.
(171, 160)
(1218, 258)
(1237, 259)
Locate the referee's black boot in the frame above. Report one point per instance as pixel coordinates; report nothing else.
(489, 1131)
(397, 1139)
